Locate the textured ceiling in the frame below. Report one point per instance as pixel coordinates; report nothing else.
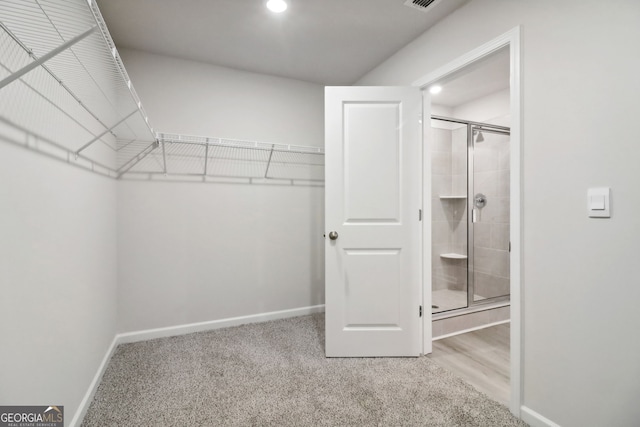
(330, 42)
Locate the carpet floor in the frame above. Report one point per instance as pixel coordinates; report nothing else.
(275, 374)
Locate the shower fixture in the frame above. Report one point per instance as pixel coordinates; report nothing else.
(479, 137)
(479, 200)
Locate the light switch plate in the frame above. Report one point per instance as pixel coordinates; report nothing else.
(599, 202)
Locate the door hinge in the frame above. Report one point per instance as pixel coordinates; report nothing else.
(509, 246)
(419, 214)
(420, 311)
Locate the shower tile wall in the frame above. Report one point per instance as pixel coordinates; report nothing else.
(449, 228)
(491, 232)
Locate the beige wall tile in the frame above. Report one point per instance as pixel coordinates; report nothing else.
(489, 286)
(440, 185)
(486, 183)
(459, 162)
(484, 159)
(440, 210)
(504, 157)
(459, 184)
(482, 235)
(500, 236)
(441, 140)
(504, 184)
(441, 163)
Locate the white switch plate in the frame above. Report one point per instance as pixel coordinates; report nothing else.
(599, 202)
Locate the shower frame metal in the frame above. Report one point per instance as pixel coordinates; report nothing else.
(471, 127)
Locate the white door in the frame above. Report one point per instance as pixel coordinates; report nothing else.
(373, 185)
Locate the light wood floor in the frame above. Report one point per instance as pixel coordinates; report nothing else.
(481, 358)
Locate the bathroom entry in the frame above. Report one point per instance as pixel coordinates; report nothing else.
(344, 322)
(470, 214)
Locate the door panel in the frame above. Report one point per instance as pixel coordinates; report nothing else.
(491, 257)
(372, 162)
(373, 194)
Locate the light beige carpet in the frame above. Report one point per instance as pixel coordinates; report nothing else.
(275, 374)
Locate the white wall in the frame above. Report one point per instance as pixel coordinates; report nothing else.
(192, 252)
(492, 108)
(581, 99)
(57, 278)
(195, 98)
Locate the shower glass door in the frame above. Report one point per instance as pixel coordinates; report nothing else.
(470, 214)
(489, 222)
(449, 156)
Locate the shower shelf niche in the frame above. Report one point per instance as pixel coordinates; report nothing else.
(453, 256)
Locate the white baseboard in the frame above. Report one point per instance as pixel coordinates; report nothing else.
(180, 330)
(171, 331)
(534, 419)
(88, 397)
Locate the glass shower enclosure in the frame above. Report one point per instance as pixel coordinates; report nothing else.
(470, 214)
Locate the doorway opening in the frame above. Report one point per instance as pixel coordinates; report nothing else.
(498, 109)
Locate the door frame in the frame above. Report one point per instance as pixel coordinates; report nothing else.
(512, 39)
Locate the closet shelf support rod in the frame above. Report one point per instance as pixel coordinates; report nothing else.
(266, 172)
(164, 158)
(106, 131)
(131, 163)
(206, 157)
(64, 46)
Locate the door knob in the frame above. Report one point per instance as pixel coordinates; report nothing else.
(333, 235)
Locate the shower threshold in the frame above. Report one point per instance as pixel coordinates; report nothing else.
(483, 306)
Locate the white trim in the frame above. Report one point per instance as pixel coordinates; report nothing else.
(516, 221)
(534, 419)
(461, 62)
(475, 328)
(171, 331)
(427, 297)
(512, 39)
(91, 391)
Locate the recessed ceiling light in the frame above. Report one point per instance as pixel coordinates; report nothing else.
(277, 6)
(435, 89)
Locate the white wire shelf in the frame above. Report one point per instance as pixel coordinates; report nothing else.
(63, 89)
(65, 93)
(206, 157)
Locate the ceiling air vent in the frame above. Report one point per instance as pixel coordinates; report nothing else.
(422, 5)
